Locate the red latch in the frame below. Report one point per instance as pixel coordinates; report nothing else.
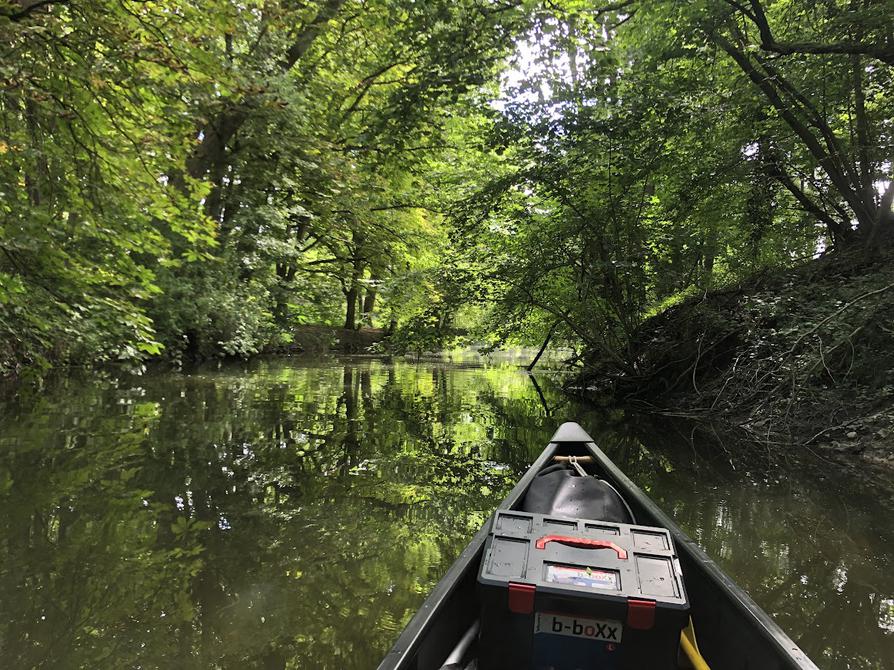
(640, 613)
(521, 598)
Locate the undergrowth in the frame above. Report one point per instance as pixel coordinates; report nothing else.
(804, 357)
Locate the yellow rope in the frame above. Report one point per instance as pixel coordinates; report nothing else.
(690, 648)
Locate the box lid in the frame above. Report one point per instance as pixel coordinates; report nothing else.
(580, 565)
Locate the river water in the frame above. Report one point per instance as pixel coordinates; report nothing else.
(293, 513)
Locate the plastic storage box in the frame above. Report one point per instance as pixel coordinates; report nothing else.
(574, 594)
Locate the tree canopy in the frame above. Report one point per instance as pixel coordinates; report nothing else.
(653, 150)
(200, 178)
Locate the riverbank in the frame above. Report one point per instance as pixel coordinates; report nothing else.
(313, 339)
(802, 359)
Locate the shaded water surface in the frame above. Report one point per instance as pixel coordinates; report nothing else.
(294, 514)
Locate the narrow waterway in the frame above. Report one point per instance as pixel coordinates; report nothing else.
(294, 513)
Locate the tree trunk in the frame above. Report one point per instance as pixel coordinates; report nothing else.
(358, 267)
(351, 310)
(215, 199)
(866, 170)
(549, 336)
(369, 304)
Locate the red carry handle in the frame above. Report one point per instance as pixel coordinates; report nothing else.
(582, 543)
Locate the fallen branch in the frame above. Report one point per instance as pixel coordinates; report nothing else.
(865, 419)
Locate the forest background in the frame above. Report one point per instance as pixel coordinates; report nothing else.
(694, 198)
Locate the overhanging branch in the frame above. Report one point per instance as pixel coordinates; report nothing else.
(882, 52)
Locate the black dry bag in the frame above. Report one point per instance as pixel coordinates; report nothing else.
(560, 491)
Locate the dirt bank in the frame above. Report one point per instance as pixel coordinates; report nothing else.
(800, 359)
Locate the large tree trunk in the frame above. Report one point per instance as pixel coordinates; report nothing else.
(351, 309)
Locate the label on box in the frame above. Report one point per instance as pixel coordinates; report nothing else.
(605, 630)
(573, 575)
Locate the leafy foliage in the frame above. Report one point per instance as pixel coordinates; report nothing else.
(200, 178)
(653, 150)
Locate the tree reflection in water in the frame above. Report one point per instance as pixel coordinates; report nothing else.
(293, 514)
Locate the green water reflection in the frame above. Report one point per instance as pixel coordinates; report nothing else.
(293, 514)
